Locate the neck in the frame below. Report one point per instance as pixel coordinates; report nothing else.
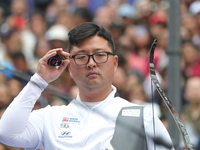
(94, 94)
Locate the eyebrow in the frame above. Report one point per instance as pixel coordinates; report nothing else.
(95, 50)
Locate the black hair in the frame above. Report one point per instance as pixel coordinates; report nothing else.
(17, 55)
(86, 30)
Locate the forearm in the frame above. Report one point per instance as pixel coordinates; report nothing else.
(15, 119)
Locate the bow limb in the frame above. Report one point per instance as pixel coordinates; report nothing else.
(167, 102)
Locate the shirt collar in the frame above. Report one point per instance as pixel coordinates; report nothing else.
(111, 95)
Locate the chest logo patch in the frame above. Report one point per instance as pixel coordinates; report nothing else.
(71, 120)
(65, 135)
(131, 112)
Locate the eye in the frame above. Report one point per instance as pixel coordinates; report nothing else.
(100, 54)
(80, 56)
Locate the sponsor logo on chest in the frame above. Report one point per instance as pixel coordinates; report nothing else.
(67, 126)
(67, 121)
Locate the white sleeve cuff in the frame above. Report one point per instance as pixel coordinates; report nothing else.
(39, 81)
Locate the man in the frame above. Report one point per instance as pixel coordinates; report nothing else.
(89, 121)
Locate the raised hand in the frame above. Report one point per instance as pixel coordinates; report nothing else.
(50, 73)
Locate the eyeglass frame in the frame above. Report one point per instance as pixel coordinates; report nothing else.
(92, 55)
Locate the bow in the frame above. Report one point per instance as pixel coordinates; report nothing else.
(168, 103)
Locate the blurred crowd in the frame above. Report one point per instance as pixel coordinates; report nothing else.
(29, 28)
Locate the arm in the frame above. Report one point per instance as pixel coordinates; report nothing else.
(14, 126)
(15, 130)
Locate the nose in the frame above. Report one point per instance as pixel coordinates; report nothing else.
(91, 63)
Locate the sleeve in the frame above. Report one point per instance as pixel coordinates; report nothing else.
(15, 129)
(156, 133)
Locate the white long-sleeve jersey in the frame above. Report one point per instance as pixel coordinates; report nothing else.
(71, 127)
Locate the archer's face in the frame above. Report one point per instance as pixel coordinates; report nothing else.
(93, 75)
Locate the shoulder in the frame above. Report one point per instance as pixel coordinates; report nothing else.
(120, 103)
(48, 111)
(72, 107)
(123, 102)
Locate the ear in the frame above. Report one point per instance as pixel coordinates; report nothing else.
(69, 69)
(115, 63)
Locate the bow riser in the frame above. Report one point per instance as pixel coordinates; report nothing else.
(168, 103)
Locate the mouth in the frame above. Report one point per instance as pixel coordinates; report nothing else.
(92, 74)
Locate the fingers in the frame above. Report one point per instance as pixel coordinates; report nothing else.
(53, 52)
(65, 54)
(50, 73)
(55, 57)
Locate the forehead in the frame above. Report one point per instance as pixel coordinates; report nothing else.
(92, 44)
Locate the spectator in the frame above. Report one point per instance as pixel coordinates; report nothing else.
(191, 111)
(137, 95)
(11, 43)
(35, 31)
(57, 36)
(5, 98)
(21, 65)
(190, 60)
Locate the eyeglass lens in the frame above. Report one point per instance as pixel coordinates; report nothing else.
(83, 59)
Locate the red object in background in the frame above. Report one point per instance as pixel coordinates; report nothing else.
(194, 70)
(18, 22)
(141, 63)
(155, 19)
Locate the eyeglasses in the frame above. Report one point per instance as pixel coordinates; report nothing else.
(98, 57)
